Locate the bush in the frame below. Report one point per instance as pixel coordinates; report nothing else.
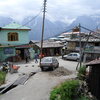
(82, 72)
(83, 98)
(65, 91)
(2, 77)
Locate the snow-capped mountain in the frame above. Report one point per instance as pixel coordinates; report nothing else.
(53, 28)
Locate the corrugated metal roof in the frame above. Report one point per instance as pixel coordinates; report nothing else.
(49, 44)
(23, 46)
(15, 26)
(84, 40)
(94, 62)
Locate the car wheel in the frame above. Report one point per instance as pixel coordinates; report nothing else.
(66, 59)
(57, 66)
(42, 69)
(52, 68)
(77, 59)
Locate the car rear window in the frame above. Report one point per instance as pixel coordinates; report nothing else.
(47, 60)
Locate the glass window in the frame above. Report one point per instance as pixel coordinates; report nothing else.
(46, 60)
(70, 55)
(75, 54)
(8, 50)
(12, 36)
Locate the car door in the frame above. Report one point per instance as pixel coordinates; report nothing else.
(69, 56)
(74, 56)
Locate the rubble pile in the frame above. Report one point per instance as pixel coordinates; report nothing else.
(61, 71)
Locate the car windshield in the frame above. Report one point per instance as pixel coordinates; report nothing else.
(46, 60)
(69, 54)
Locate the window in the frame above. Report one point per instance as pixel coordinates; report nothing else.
(12, 36)
(54, 60)
(75, 54)
(8, 50)
(70, 55)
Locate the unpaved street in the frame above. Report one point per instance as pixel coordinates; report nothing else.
(38, 87)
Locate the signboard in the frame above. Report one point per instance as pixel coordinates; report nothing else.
(8, 50)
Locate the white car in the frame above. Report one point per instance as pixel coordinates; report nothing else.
(72, 56)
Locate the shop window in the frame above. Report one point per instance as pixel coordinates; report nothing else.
(12, 36)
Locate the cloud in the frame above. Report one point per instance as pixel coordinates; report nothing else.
(18, 9)
(58, 9)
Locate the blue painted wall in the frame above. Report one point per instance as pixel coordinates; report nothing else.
(5, 54)
(22, 36)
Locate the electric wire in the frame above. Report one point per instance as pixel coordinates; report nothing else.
(33, 18)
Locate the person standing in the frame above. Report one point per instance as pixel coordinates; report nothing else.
(36, 58)
(26, 55)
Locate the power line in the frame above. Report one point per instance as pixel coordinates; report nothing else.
(31, 19)
(82, 52)
(57, 27)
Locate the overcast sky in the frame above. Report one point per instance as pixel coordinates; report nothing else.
(64, 10)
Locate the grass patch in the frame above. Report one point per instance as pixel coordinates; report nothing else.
(82, 73)
(83, 98)
(65, 91)
(2, 77)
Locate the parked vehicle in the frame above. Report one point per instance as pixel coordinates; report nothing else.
(72, 56)
(5, 67)
(49, 63)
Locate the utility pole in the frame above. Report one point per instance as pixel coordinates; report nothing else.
(44, 10)
(80, 45)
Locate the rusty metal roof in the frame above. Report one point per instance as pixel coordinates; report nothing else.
(94, 62)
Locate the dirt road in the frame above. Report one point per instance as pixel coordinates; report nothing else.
(38, 87)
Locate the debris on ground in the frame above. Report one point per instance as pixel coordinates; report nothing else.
(61, 71)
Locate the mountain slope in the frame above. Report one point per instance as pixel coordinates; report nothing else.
(85, 21)
(5, 20)
(51, 28)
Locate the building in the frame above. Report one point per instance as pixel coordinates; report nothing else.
(94, 77)
(13, 40)
(49, 48)
(90, 44)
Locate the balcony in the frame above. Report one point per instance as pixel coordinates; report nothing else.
(95, 49)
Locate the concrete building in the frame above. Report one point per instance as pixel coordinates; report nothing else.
(11, 36)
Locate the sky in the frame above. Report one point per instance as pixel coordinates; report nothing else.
(63, 10)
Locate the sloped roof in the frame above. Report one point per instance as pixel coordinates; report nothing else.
(47, 44)
(94, 62)
(15, 26)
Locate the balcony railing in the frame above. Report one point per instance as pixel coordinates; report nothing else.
(95, 49)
